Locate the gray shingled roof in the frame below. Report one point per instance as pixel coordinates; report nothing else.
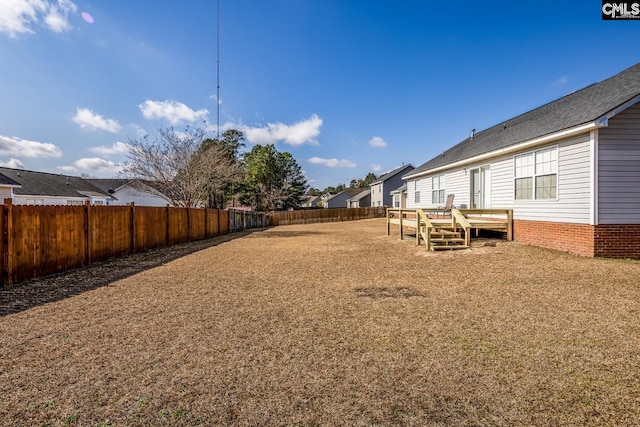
(106, 184)
(581, 107)
(48, 184)
(391, 174)
(5, 180)
(361, 195)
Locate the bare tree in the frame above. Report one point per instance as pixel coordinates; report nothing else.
(180, 166)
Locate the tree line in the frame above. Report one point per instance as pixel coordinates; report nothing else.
(355, 183)
(193, 170)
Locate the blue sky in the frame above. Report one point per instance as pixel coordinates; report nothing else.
(346, 86)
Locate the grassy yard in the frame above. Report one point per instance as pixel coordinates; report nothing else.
(330, 324)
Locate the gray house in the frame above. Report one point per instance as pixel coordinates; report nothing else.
(360, 200)
(339, 200)
(570, 170)
(26, 187)
(381, 189)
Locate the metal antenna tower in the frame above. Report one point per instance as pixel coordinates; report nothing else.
(218, 77)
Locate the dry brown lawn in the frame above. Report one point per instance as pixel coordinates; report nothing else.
(326, 324)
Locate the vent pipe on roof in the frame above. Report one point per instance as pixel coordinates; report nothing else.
(473, 133)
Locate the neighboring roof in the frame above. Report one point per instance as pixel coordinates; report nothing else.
(108, 185)
(111, 185)
(400, 189)
(361, 195)
(402, 169)
(351, 191)
(49, 184)
(8, 182)
(588, 105)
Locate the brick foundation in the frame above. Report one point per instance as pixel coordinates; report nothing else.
(617, 241)
(612, 241)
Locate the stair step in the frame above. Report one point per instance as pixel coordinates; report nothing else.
(441, 248)
(445, 236)
(448, 240)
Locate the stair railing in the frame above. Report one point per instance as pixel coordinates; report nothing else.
(458, 220)
(422, 218)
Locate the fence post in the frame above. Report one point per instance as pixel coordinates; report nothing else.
(206, 222)
(133, 228)
(189, 224)
(7, 209)
(87, 208)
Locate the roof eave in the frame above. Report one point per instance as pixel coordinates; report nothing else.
(604, 120)
(565, 133)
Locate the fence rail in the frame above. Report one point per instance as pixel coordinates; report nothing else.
(40, 240)
(325, 215)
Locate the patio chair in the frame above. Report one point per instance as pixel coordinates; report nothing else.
(447, 206)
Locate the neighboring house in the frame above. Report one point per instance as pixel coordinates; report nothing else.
(380, 189)
(40, 188)
(339, 200)
(399, 197)
(127, 191)
(311, 201)
(360, 200)
(570, 170)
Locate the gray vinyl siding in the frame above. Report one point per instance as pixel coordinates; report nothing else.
(573, 203)
(619, 169)
(423, 185)
(457, 183)
(574, 190)
(377, 198)
(5, 193)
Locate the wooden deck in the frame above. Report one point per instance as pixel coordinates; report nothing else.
(451, 230)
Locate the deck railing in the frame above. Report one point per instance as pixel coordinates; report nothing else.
(465, 219)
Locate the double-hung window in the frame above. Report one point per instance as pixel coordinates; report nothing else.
(536, 175)
(416, 192)
(437, 189)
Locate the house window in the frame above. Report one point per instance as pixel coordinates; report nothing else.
(396, 200)
(35, 201)
(536, 175)
(75, 203)
(437, 189)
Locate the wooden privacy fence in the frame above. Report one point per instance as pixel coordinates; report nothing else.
(40, 240)
(244, 220)
(325, 215)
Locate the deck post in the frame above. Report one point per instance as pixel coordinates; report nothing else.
(388, 222)
(401, 226)
(509, 225)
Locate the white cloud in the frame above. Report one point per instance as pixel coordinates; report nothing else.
(376, 168)
(97, 165)
(332, 163)
(87, 119)
(174, 112)
(139, 130)
(18, 16)
(12, 163)
(57, 18)
(299, 133)
(560, 81)
(12, 146)
(68, 169)
(116, 148)
(376, 141)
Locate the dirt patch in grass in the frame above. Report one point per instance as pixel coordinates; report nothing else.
(328, 324)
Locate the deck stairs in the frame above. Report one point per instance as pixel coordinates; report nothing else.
(444, 237)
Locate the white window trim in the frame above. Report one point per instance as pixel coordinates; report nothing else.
(442, 185)
(536, 174)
